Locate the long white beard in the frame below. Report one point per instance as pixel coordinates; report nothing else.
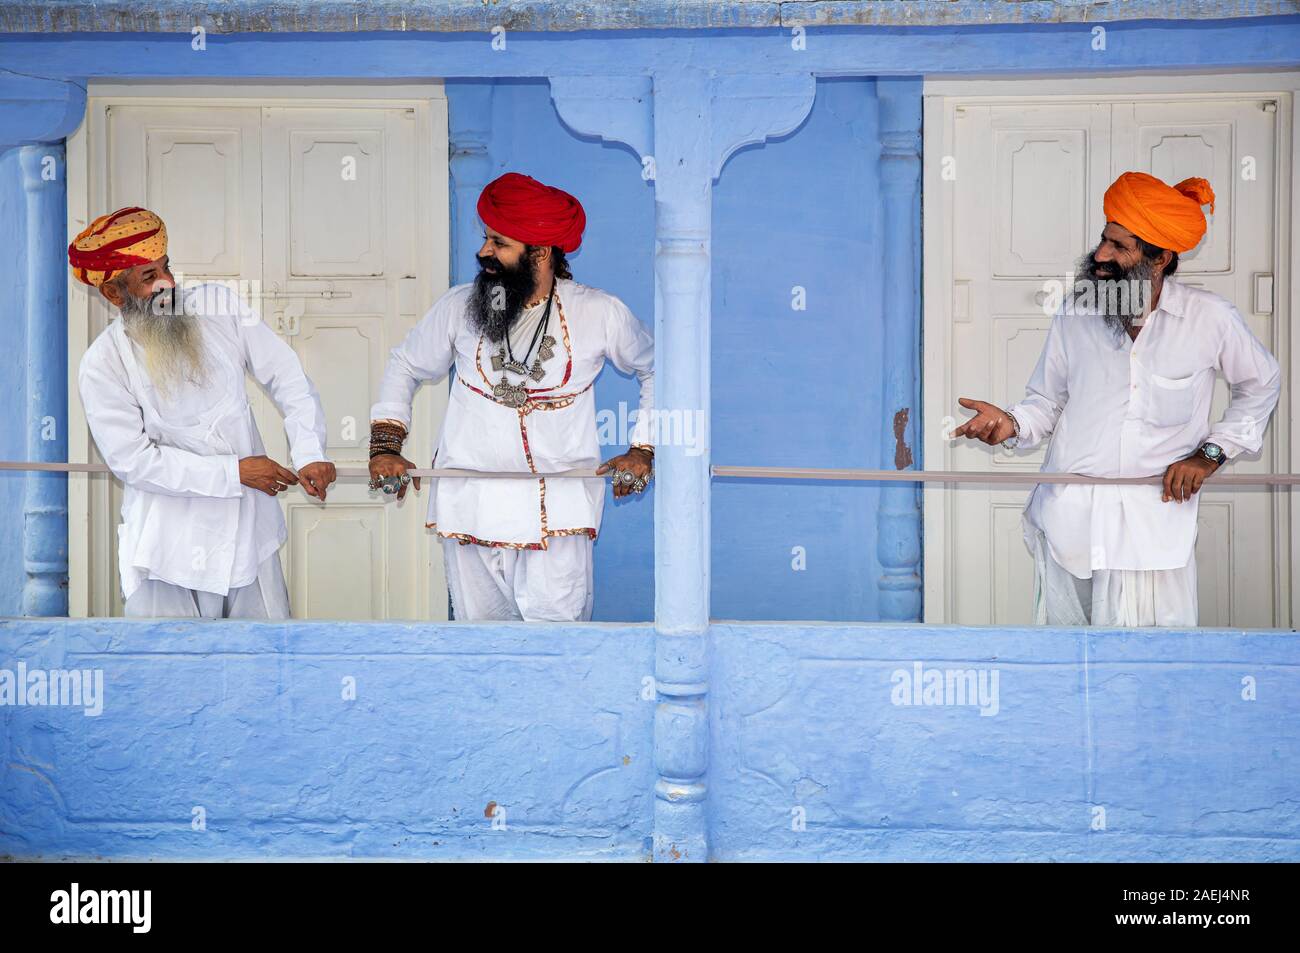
(172, 343)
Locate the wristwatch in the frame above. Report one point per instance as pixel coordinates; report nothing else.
(1214, 453)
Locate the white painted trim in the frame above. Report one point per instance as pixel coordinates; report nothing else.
(936, 401)
(88, 496)
(79, 451)
(1026, 87)
(941, 96)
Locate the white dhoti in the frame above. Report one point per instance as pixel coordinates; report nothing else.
(266, 597)
(532, 585)
(1119, 597)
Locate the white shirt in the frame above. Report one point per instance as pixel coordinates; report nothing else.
(555, 430)
(1124, 407)
(186, 519)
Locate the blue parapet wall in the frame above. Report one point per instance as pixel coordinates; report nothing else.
(1096, 744)
(1100, 744)
(458, 741)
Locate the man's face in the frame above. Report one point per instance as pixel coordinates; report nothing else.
(506, 279)
(1117, 252)
(499, 253)
(1115, 280)
(151, 282)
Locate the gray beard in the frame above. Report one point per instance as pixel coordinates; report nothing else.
(1118, 301)
(172, 342)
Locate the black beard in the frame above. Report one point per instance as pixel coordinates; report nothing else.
(498, 299)
(1119, 295)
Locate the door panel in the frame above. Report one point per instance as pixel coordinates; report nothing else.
(1026, 203)
(319, 210)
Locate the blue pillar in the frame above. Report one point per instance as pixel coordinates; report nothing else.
(898, 523)
(35, 115)
(469, 129)
(683, 208)
(700, 120)
(45, 497)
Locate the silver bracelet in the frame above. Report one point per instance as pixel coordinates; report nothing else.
(1014, 440)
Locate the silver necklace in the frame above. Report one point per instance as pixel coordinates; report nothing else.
(516, 395)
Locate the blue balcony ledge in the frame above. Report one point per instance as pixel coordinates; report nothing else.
(519, 741)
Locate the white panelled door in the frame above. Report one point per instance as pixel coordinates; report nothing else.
(328, 210)
(1023, 202)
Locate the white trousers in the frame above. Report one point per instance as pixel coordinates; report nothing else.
(1123, 597)
(532, 585)
(267, 597)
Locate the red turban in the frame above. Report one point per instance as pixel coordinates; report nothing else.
(1164, 215)
(520, 207)
(115, 242)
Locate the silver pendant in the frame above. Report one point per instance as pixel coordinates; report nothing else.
(512, 395)
(498, 360)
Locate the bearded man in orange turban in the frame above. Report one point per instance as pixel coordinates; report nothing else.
(1123, 389)
(527, 342)
(164, 395)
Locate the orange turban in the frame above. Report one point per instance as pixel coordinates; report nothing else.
(520, 207)
(1167, 216)
(115, 242)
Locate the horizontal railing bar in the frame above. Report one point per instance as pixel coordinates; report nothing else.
(771, 473)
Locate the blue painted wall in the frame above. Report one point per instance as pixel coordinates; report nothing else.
(799, 387)
(253, 723)
(1106, 744)
(1103, 744)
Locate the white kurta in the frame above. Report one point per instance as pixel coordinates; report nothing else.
(186, 519)
(1131, 408)
(555, 430)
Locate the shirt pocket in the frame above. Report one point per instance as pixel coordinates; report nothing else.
(1170, 400)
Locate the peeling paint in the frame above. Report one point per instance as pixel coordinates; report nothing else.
(902, 452)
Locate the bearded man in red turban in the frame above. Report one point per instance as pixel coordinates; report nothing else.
(1123, 389)
(527, 342)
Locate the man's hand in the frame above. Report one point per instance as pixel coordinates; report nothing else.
(392, 464)
(636, 460)
(1185, 477)
(316, 477)
(263, 473)
(990, 423)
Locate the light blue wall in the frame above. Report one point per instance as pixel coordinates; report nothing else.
(799, 387)
(248, 721)
(1106, 744)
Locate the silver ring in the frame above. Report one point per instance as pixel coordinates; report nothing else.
(639, 486)
(627, 476)
(391, 484)
(406, 478)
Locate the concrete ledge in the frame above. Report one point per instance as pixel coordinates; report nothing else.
(331, 740)
(468, 16)
(827, 741)
(1096, 744)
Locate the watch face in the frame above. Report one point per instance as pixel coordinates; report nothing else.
(1213, 452)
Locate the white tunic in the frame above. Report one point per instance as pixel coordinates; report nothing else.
(1131, 408)
(555, 430)
(186, 519)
